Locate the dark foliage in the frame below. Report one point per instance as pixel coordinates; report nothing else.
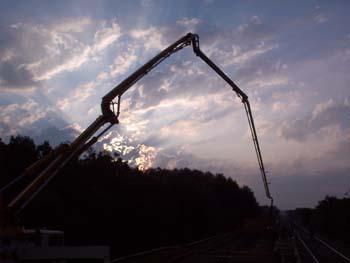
(101, 200)
(330, 218)
(15, 156)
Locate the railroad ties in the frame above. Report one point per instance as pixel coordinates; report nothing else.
(284, 243)
(230, 247)
(313, 248)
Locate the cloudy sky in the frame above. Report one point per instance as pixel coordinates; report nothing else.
(58, 58)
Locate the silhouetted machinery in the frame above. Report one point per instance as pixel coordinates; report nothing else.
(46, 168)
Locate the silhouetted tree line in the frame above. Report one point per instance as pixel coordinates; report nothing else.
(100, 199)
(330, 218)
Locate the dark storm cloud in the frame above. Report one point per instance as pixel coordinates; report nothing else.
(26, 40)
(35, 119)
(332, 114)
(41, 131)
(56, 135)
(18, 45)
(15, 76)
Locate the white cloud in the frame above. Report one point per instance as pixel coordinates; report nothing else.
(239, 56)
(286, 101)
(119, 144)
(77, 96)
(256, 20)
(32, 118)
(70, 64)
(72, 25)
(138, 154)
(268, 81)
(321, 107)
(279, 106)
(82, 53)
(179, 128)
(146, 158)
(43, 51)
(151, 38)
(320, 18)
(105, 37)
(189, 22)
(123, 62)
(18, 115)
(102, 76)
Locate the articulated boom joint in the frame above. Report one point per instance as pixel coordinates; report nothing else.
(244, 98)
(195, 43)
(110, 113)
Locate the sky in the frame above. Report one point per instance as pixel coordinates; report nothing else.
(292, 58)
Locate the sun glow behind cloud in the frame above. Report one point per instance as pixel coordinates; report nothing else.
(182, 114)
(139, 155)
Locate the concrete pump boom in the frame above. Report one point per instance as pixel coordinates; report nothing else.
(50, 165)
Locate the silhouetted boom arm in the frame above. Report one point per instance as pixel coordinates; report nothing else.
(248, 110)
(51, 165)
(142, 71)
(182, 42)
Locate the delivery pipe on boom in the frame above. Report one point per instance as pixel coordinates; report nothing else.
(244, 98)
(86, 139)
(142, 71)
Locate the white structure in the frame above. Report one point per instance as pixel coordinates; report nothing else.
(47, 246)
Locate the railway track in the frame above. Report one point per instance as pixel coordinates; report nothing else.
(246, 247)
(314, 249)
(230, 247)
(177, 253)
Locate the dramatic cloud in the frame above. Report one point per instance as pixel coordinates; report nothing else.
(123, 62)
(151, 37)
(34, 52)
(30, 118)
(56, 135)
(16, 76)
(55, 69)
(324, 115)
